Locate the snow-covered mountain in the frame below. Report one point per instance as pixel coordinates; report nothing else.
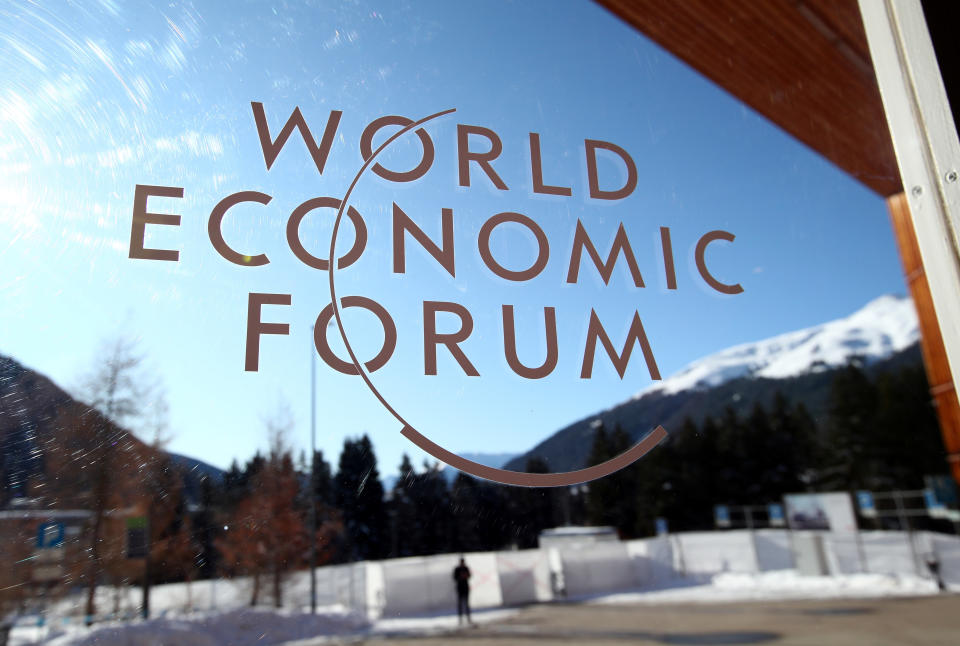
(798, 365)
(881, 328)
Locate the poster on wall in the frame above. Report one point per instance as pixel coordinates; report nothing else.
(721, 516)
(775, 514)
(825, 511)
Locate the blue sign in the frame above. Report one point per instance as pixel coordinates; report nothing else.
(49, 535)
(934, 507)
(661, 526)
(865, 503)
(775, 513)
(944, 488)
(721, 516)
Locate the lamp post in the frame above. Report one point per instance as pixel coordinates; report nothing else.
(312, 519)
(313, 477)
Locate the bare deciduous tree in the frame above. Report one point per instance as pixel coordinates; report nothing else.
(122, 388)
(129, 400)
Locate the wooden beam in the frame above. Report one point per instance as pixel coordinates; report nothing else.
(942, 391)
(803, 64)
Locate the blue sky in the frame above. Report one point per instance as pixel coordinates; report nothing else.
(104, 97)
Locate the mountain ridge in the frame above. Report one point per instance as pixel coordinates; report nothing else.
(883, 335)
(879, 329)
(30, 407)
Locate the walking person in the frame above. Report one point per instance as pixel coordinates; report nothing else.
(461, 575)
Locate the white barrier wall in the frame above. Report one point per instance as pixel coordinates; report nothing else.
(809, 554)
(774, 550)
(946, 549)
(890, 552)
(376, 591)
(715, 552)
(343, 584)
(652, 561)
(525, 577)
(425, 584)
(602, 567)
(843, 553)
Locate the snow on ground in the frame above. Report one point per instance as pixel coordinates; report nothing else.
(192, 614)
(265, 627)
(781, 585)
(215, 595)
(437, 623)
(246, 627)
(242, 627)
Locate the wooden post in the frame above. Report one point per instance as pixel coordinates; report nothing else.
(931, 341)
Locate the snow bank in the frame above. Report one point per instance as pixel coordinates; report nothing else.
(247, 627)
(256, 628)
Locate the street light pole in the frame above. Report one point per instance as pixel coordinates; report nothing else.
(313, 477)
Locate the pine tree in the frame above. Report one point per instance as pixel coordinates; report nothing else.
(695, 485)
(469, 517)
(599, 491)
(763, 466)
(405, 530)
(532, 509)
(206, 528)
(808, 432)
(791, 449)
(613, 500)
(323, 481)
(234, 485)
(907, 438)
(481, 516)
(852, 422)
(359, 494)
(733, 449)
(431, 498)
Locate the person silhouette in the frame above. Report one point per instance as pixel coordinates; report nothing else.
(461, 575)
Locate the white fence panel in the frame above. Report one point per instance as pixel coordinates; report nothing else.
(774, 551)
(376, 594)
(425, 584)
(947, 551)
(342, 584)
(843, 553)
(525, 577)
(810, 553)
(715, 552)
(603, 567)
(890, 552)
(405, 587)
(652, 560)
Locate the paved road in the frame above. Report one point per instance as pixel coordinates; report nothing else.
(920, 621)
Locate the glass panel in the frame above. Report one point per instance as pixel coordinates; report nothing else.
(557, 245)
